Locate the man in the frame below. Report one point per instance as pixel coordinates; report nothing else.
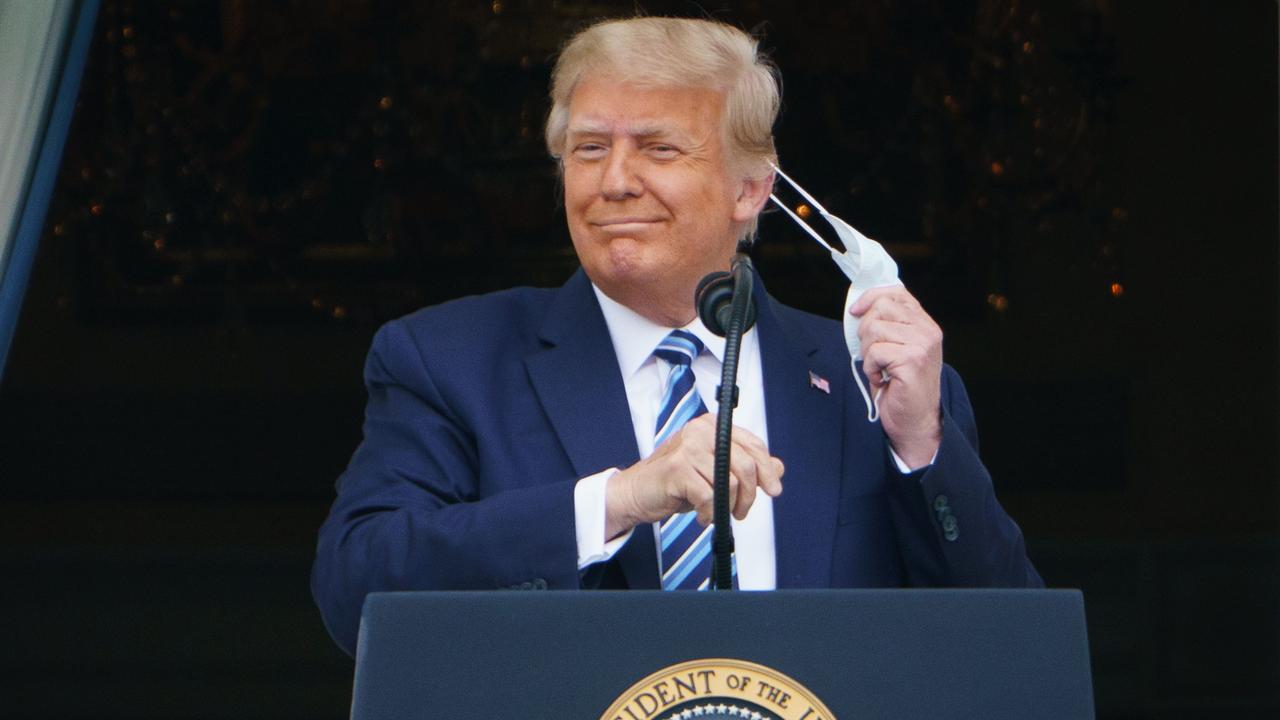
(553, 438)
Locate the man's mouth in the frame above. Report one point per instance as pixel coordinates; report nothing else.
(623, 224)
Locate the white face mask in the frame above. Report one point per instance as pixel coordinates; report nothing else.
(864, 262)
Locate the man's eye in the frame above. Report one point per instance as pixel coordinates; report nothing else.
(590, 150)
(663, 150)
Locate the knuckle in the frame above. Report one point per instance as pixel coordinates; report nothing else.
(703, 493)
(676, 492)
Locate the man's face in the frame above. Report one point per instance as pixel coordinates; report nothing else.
(651, 205)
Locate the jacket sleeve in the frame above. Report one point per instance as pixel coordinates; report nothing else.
(952, 532)
(410, 513)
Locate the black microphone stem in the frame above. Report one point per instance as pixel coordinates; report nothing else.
(727, 399)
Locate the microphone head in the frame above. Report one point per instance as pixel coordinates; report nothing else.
(714, 298)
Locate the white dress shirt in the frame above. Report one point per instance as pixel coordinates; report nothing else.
(645, 378)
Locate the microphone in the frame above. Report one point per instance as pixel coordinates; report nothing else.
(714, 298)
(725, 306)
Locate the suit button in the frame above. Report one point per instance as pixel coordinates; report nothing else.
(950, 528)
(539, 584)
(940, 503)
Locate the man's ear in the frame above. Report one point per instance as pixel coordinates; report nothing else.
(752, 196)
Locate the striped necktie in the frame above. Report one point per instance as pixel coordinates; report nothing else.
(686, 546)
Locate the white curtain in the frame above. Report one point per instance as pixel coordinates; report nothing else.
(31, 40)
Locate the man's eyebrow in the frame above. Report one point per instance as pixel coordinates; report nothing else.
(589, 127)
(651, 130)
(640, 130)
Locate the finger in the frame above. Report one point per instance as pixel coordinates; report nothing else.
(749, 459)
(897, 307)
(888, 309)
(700, 497)
(771, 482)
(705, 506)
(743, 474)
(691, 447)
(868, 298)
(760, 471)
(876, 361)
(742, 484)
(746, 500)
(748, 439)
(702, 460)
(744, 442)
(892, 293)
(876, 330)
(908, 364)
(768, 469)
(741, 495)
(699, 434)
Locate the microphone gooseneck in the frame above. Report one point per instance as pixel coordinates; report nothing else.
(725, 305)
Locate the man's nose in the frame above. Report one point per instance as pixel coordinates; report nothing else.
(621, 177)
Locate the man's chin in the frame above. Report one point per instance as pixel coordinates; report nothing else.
(626, 278)
(627, 257)
(647, 291)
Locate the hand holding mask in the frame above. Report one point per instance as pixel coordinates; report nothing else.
(866, 264)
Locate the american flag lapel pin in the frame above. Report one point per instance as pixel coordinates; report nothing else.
(817, 381)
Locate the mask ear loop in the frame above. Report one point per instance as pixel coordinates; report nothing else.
(799, 221)
(796, 186)
(803, 225)
(873, 405)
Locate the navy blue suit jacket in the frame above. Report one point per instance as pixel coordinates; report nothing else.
(484, 412)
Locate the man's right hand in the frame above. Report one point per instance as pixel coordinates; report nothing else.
(679, 475)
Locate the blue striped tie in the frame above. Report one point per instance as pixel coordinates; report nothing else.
(686, 546)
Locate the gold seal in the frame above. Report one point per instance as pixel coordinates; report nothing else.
(717, 688)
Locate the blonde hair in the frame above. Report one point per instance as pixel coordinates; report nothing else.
(679, 52)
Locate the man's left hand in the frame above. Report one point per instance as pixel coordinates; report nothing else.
(902, 359)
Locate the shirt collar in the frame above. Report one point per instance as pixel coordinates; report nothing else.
(635, 336)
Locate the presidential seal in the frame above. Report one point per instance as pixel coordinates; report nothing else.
(717, 688)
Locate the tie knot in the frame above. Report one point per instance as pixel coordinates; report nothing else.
(680, 347)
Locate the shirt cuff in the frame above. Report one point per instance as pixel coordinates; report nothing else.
(589, 516)
(902, 467)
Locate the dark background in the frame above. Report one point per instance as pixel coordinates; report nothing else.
(1083, 193)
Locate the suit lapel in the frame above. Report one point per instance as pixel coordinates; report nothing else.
(805, 430)
(576, 378)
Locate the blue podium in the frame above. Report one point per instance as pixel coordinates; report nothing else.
(800, 655)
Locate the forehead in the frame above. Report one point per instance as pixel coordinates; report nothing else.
(607, 106)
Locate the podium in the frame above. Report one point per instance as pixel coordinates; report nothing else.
(790, 654)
